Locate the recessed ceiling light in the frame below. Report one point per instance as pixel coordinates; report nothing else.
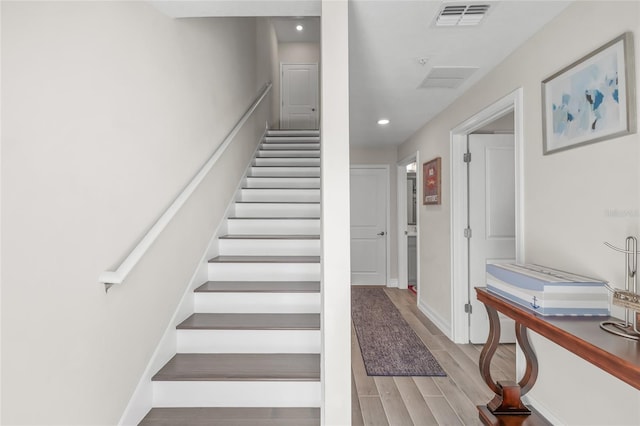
(299, 27)
(383, 121)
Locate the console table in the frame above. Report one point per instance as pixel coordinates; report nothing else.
(582, 336)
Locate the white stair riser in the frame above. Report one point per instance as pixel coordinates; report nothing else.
(257, 303)
(285, 171)
(303, 145)
(281, 195)
(273, 226)
(282, 182)
(249, 341)
(260, 247)
(236, 394)
(276, 210)
(303, 153)
(260, 271)
(284, 162)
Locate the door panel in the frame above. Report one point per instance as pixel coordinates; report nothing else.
(368, 222)
(492, 221)
(299, 93)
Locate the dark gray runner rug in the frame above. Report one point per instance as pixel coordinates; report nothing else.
(388, 344)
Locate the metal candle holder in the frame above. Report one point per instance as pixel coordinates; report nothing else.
(629, 297)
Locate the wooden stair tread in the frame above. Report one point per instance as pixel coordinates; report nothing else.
(288, 189)
(292, 167)
(265, 259)
(289, 158)
(306, 136)
(270, 237)
(283, 177)
(309, 139)
(292, 153)
(277, 202)
(274, 218)
(259, 287)
(227, 416)
(298, 140)
(241, 367)
(201, 321)
(298, 148)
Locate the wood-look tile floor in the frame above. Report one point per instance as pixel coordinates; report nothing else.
(422, 401)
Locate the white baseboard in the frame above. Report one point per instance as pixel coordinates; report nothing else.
(393, 283)
(542, 410)
(442, 324)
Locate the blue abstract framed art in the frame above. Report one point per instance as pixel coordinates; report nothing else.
(592, 99)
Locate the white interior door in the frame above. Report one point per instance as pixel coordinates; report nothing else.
(491, 220)
(369, 226)
(299, 96)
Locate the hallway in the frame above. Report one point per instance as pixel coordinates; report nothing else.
(450, 400)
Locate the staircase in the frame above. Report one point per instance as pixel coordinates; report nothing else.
(250, 354)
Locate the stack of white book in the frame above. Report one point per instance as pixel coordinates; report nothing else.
(548, 291)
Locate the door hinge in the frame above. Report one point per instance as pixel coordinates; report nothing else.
(467, 308)
(467, 232)
(466, 157)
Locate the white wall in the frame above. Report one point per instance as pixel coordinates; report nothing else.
(299, 52)
(108, 109)
(336, 289)
(268, 64)
(388, 157)
(574, 200)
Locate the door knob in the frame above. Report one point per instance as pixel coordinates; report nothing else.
(381, 233)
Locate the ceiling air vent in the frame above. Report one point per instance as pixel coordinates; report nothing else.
(447, 77)
(461, 15)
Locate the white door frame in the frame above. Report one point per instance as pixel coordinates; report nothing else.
(459, 254)
(403, 255)
(384, 167)
(282, 64)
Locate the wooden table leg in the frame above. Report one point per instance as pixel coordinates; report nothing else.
(507, 399)
(531, 372)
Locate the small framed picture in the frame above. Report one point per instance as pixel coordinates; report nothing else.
(591, 100)
(431, 178)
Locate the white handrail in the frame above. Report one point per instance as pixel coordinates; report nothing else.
(118, 276)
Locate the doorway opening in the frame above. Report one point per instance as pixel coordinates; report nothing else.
(463, 310)
(407, 213)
